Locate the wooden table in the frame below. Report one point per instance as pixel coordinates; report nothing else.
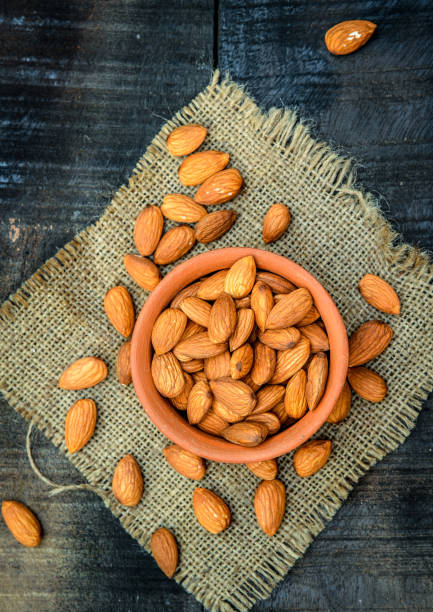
(85, 84)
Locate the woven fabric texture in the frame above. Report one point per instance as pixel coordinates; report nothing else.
(337, 233)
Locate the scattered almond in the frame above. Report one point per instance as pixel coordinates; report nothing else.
(142, 271)
(210, 510)
(379, 294)
(164, 550)
(348, 36)
(22, 523)
(127, 482)
(181, 208)
(266, 470)
(198, 167)
(119, 309)
(276, 222)
(270, 504)
(185, 462)
(185, 139)
(220, 187)
(367, 383)
(174, 244)
(83, 373)
(148, 230)
(312, 456)
(214, 225)
(368, 341)
(80, 424)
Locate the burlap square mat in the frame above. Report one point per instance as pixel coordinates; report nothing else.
(337, 233)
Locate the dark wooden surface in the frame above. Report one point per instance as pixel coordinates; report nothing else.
(84, 85)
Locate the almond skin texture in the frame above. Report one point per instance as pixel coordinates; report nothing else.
(212, 287)
(312, 456)
(276, 222)
(265, 361)
(168, 329)
(184, 462)
(199, 377)
(189, 290)
(235, 394)
(223, 318)
(220, 187)
(119, 309)
(213, 424)
(164, 550)
(290, 310)
(368, 341)
(198, 167)
(80, 424)
(218, 366)
(241, 277)
(342, 407)
(281, 413)
(295, 399)
(241, 361)
(142, 271)
(83, 373)
(280, 339)
(127, 482)
(181, 208)
(22, 523)
(214, 225)
(148, 230)
(269, 419)
(277, 283)
(226, 413)
(268, 397)
(266, 470)
(270, 505)
(210, 510)
(197, 310)
(262, 303)
(244, 302)
(290, 361)
(198, 346)
(312, 315)
(174, 244)
(247, 433)
(181, 401)
(123, 365)
(367, 383)
(186, 139)
(317, 337)
(167, 375)
(317, 376)
(243, 329)
(192, 329)
(348, 36)
(199, 402)
(379, 294)
(192, 366)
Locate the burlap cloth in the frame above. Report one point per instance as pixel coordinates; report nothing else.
(337, 233)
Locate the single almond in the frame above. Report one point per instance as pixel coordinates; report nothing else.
(186, 463)
(181, 208)
(267, 398)
(167, 374)
(127, 482)
(192, 366)
(368, 341)
(185, 139)
(280, 339)
(22, 523)
(243, 329)
(241, 361)
(311, 457)
(192, 329)
(199, 376)
(220, 187)
(214, 225)
(348, 36)
(123, 365)
(212, 423)
(312, 315)
(277, 283)
(198, 346)
(164, 550)
(197, 310)
(235, 394)
(262, 303)
(290, 310)
(212, 287)
(317, 337)
(317, 376)
(295, 398)
(210, 510)
(265, 360)
(142, 271)
(247, 433)
(181, 401)
(367, 383)
(266, 470)
(291, 360)
(198, 167)
(119, 309)
(270, 505)
(241, 277)
(199, 402)
(281, 413)
(244, 302)
(174, 244)
(148, 230)
(276, 222)
(226, 413)
(189, 290)
(218, 366)
(342, 406)
(83, 373)
(222, 320)
(168, 329)
(269, 419)
(80, 424)
(379, 294)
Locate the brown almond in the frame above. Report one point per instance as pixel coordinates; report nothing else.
(123, 365)
(181, 401)
(342, 406)
(148, 230)
(241, 361)
(267, 398)
(277, 283)
(212, 287)
(311, 457)
(164, 550)
(80, 424)
(368, 341)
(214, 225)
(142, 271)
(167, 374)
(290, 310)
(198, 346)
(192, 329)
(188, 291)
(119, 309)
(249, 381)
(265, 361)
(174, 244)
(291, 360)
(212, 423)
(317, 376)
(244, 302)
(22, 523)
(280, 339)
(199, 402)
(226, 413)
(317, 337)
(262, 303)
(269, 419)
(199, 376)
(218, 366)
(247, 433)
(235, 394)
(312, 315)
(241, 277)
(220, 187)
(222, 320)
(193, 366)
(243, 329)
(181, 208)
(348, 36)
(379, 294)
(266, 470)
(168, 329)
(295, 399)
(367, 383)
(185, 139)
(183, 461)
(83, 373)
(198, 167)
(210, 510)
(197, 310)
(276, 222)
(281, 413)
(127, 482)
(270, 505)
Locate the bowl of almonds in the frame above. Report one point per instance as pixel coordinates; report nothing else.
(239, 355)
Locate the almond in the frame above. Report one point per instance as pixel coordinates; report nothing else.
(241, 361)
(168, 329)
(290, 310)
(167, 374)
(270, 505)
(281, 413)
(244, 302)
(262, 303)
(80, 424)
(22, 523)
(312, 315)
(164, 550)
(198, 346)
(269, 419)
(198, 167)
(295, 399)
(119, 309)
(220, 187)
(83, 373)
(185, 462)
(291, 360)
(379, 294)
(213, 424)
(241, 277)
(199, 376)
(192, 329)
(174, 244)
(181, 401)
(243, 329)
(348, 36)
(277, 283)
(235, 394)
(218, 366)
(188, 291)
(185, 139)
(280, 339)
(266, 470)
(342, 406)
(267, 398)
(249, 381)
(264, 363)
(199, 402)
(142, 271)
(317, 377)
(197, 310)
(214, 225)
(212, 287)
(310, 457)
(192, 366)
(367, 383)
(148, 230)
(181, 208)
(226, 413)
(317, 337)
(276, 221)
(210, 510)
(123, 365)
(127, 482)
(247, 433)
(368, 341)
(223, 317)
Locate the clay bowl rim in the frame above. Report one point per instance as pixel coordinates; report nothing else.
(170, 422)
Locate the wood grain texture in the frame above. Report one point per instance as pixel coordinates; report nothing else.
(84, 87)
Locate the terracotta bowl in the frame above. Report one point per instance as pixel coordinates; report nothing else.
(171, 423)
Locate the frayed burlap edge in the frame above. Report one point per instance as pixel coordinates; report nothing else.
(288, 135)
